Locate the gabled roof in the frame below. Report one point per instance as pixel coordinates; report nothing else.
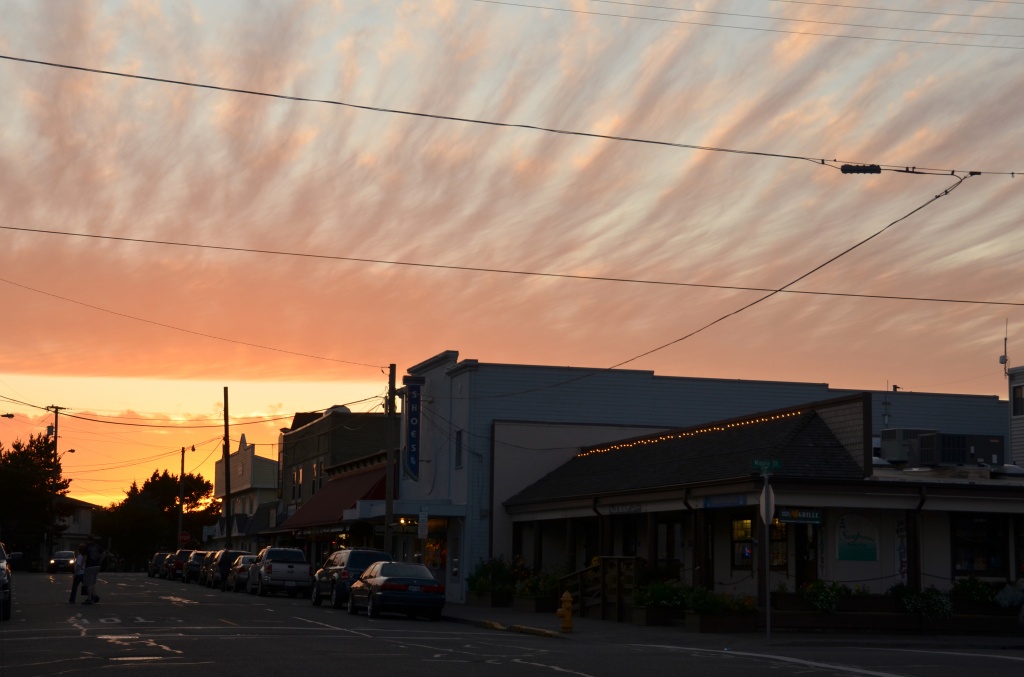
(327, 507)
(801, 441)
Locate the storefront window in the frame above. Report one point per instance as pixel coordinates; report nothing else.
(980, 545)
(742, 544)
(780, 545)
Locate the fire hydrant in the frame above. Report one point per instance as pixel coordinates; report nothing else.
(565, 613)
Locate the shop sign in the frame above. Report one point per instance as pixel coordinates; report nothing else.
(800, 516)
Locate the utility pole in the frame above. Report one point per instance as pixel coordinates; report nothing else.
(227, 475)
(389, 481)
(53, 520)
(181, 491)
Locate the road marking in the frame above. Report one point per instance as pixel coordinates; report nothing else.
(957, 653)
(782, 659)
(331, 627)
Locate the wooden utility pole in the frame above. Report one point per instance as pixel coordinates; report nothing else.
(227, 475)
(389, 481)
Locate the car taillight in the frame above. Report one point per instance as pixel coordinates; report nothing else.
(394, 586)
(344, 574)
(270, 567)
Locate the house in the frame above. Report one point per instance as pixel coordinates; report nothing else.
(253, 485)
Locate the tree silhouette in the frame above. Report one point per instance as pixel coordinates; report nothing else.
(30, 481)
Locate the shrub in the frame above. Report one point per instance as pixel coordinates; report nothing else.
(703, 601)
(669, 594)
(1010, 597)
(930, 603)
(494, 576)
(824, 595)
(971, 589)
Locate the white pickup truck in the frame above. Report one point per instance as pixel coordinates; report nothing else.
(280, 569)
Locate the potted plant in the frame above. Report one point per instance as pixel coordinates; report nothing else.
(659, 603)
(492, 583)
(720, 611)
(538, 592)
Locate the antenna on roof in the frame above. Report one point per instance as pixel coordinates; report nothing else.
(1003, 359)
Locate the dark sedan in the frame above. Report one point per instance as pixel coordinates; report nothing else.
(398, 587)
(62, 560)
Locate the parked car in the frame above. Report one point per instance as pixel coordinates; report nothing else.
(165, 565)
(62, 560)
(204, 567)
(154, 564)
(191, 570)
(343, 567)
(238, 572)
(277, 569)
(400, 587)
(6, 585)
(217, 574)
(176, 564)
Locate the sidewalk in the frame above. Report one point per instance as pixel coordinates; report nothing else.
(507, 619)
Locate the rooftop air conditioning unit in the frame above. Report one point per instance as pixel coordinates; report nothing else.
(896, 443)
(950, 449)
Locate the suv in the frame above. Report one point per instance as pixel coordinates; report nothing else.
(218, 567)
(280, 569)
(191, 570)
(153, 570)
(176, 566)
(340, 570)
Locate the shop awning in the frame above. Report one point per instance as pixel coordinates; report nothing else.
(327, 507)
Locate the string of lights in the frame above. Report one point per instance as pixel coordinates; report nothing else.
(677, 435)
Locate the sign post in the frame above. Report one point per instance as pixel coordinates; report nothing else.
(767, 510)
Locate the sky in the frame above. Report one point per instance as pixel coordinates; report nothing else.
(284, 198)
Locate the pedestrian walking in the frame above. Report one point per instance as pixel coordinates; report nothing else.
(79, 574)
(93, 557)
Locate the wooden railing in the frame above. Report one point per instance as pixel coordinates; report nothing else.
(605, 589)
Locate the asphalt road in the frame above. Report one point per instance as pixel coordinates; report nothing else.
(149, 626)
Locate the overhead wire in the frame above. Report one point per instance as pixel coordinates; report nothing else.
(747, 28)
(474, 269)
(802, 20)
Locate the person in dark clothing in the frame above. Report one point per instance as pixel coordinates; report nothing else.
(79, 574)
(93, 557)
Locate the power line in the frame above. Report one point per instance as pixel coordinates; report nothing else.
(492, 123)
(902, 11)
(190, 331)
(438, 266)
(802, 20)
(747, 28)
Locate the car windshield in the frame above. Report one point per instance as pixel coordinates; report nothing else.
(401, 570)
(64, 554)
(361, 560)
(286, 556)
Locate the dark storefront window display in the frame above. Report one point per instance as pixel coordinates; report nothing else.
(980, 545)
(780, 545)
(742, 544)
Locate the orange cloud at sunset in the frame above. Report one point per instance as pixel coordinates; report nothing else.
(726, 178)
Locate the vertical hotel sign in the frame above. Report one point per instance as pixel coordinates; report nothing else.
(413, 416)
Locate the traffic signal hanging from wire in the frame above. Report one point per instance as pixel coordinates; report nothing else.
(861, 169)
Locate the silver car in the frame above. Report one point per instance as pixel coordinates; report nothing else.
(238, 573)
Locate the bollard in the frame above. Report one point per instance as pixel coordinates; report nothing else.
(565, 613)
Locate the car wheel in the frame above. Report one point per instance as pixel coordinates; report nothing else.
(5, 611)
(352, 608)
(434, 615)
(249, 588)
(372, 608)
(314, 596)
(262, 589)
(336, 601)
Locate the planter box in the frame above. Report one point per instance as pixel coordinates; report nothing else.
(790, 601)
(726, 623)
(535, 604)
(879, 604)
(492, 600)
